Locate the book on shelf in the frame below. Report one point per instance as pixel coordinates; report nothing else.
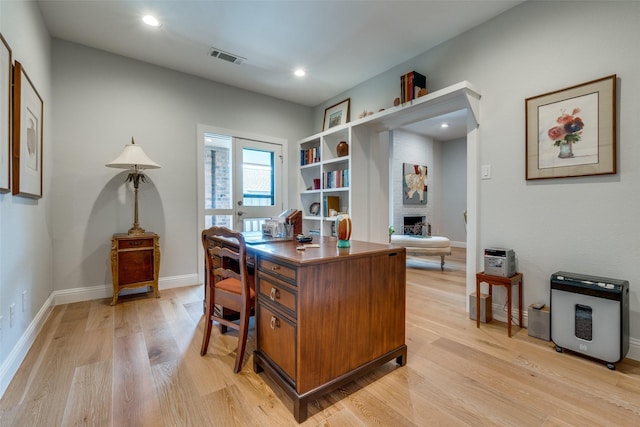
(410, 85)
(335, 179)
(309, 156)
(331, 203)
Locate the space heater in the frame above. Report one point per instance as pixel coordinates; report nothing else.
(590, 316)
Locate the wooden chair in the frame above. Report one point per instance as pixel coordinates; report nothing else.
(227, 285)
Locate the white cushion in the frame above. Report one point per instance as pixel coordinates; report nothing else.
(419, 241)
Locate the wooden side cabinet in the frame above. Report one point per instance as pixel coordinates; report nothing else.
(135, 262)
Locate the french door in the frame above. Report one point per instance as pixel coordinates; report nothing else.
(239, 178)
(242, 182)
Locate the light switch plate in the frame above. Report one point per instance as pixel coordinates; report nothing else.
(485, 172)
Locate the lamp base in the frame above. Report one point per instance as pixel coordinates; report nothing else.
(135, 230)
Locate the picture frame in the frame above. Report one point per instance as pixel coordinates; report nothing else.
(337, 114)
(414, 184)
(6, 68)
(571, 132)
(28, 110)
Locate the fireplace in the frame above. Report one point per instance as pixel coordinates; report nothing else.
(416, 226)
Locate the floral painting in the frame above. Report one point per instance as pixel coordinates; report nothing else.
(414, 183)
(572, 132)
(568, 132)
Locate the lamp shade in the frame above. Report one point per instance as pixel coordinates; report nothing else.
(133, 157)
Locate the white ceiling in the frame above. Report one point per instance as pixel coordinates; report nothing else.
(339, 43)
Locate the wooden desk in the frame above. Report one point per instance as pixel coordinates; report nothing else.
(325, 316)
(507, 282)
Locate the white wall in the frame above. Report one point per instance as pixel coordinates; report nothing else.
(587, 225)
(25, 224)
(413, 149)
(452, 200)
(102, 100)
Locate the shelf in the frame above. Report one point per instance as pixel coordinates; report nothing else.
(344, 159)
(311, 165)
(451, 98)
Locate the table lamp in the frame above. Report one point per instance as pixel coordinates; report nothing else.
(134, 159)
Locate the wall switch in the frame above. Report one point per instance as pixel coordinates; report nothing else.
(24, 300)
(485, 172)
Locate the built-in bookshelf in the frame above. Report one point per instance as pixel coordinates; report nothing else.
(324, 180)
(363, 189)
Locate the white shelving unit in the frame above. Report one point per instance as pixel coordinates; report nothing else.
(331, 172)
(367, 196)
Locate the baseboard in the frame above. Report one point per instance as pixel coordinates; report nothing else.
(499, 314)
(455, 244)
(68, 296)
(11, 364)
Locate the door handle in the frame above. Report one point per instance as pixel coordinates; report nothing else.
(240, 213)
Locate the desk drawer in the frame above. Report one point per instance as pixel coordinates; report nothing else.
(279, 269)
(278, 293)
(276, 339)
(135, 243)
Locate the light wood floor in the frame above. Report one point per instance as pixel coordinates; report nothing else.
(138, 364)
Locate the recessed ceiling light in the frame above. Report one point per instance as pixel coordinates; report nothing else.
(150, 20)
(299, 72)
(444, 125)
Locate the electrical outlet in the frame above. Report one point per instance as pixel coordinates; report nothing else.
(12, 314)
(24, 301)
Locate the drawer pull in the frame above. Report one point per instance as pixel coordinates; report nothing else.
(275, 323)
(274, 294)
(275, 268)
(135, 242)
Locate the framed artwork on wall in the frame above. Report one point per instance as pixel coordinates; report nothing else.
(336, 114)
(6, 68)
(572, 132)
(28, 110)
(414, 184)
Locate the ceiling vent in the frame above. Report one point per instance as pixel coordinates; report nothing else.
(226, 56)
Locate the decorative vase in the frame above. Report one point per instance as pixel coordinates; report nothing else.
(566, 151)
(343, 230)
(342, 148)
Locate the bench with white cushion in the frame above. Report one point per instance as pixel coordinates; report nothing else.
(427, 246)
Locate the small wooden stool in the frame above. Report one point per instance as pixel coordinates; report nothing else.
(508, 282)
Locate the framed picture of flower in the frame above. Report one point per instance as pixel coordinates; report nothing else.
(572, 132)
(414, 184)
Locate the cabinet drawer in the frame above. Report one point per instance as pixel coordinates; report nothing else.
(278, 293)
(279, 269)
(135, 243)
(277, 340)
